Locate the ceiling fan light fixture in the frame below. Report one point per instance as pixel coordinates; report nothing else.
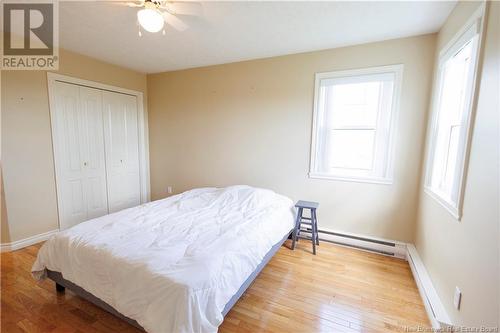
(150, 19)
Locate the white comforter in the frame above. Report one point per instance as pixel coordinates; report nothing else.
(172, 264)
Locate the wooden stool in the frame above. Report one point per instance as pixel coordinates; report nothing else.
(313, 222)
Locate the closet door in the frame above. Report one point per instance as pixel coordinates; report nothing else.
(122, 150)
(80, 169)
(94, 165)
(68, 132)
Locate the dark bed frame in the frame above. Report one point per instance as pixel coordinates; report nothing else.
(62, 284)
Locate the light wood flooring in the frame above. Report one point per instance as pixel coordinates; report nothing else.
(339, 290)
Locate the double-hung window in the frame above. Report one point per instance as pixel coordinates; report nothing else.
(354, 123)
(449, 131)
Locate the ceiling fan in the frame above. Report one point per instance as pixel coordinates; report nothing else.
(153, 14)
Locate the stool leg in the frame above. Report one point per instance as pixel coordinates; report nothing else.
(316, 224)
(301, 211)
(313, 233)
(59, 288)
(299, 224)
(297, 227)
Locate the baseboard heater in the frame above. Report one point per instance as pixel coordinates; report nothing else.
(433, 306)
(385, 247)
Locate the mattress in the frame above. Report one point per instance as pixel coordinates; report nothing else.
(173, 264)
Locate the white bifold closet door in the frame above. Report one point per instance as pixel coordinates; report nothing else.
(79, 153)
(96, 149)
(122, 150)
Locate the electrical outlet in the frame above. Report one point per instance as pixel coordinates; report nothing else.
(169, 190)
(457, 298)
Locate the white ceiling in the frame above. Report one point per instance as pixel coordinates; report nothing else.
(236, 31)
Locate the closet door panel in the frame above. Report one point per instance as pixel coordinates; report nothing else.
(68, 139)
(95, 167)
(122, 150)
(132, 171)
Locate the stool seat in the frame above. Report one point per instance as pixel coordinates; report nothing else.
(307, 204)
(311, 221)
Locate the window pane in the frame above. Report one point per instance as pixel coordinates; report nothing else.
(353, 121)
(454, 96)
(451, 160)
(352, 149)
(355, 104)
(455, 76)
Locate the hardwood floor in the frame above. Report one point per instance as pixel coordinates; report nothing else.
(339, 290)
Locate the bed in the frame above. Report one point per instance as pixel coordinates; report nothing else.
(172, 265)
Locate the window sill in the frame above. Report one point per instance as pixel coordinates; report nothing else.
(450, 208)
(381, 181)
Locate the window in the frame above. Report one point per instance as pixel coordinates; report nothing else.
(354, 120)
(451, 120)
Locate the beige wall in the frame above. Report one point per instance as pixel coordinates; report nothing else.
(28, 167)
(4, 231)
(465, 253)
(250, 123)
(4, 225)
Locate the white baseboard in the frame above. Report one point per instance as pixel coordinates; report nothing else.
(433, 305)
(363, 242)
(7, 247)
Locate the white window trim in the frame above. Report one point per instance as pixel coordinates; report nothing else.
(477, 19)
(398, 79)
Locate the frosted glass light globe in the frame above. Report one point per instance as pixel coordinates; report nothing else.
(150, 19)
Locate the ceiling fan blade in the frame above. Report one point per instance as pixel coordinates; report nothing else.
(185, 8)
(129, 4)
(135, 5)
(174, 21)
